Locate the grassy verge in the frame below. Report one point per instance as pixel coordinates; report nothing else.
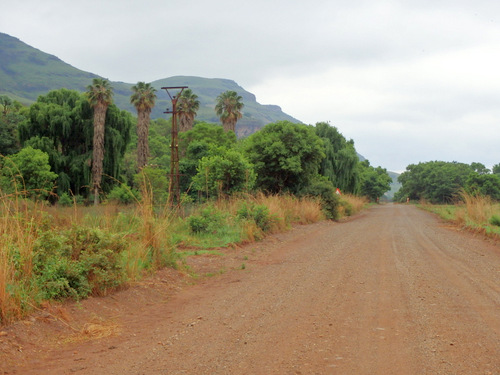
(55, 253)
(476, 213)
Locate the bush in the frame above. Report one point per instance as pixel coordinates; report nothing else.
(324, 190)
(123, 194)
(258, 213)
(65, 200)
(495, 220)
(77, 262)
(208, 221)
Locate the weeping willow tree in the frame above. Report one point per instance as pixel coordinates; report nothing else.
(340, 165)
(61, 124)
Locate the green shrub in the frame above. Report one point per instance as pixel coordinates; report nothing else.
(258, 213)
(324, 190)
(208, 221)
(77, 262)
(123, 194)
(348, 208)
(65, 200)
(495, 220)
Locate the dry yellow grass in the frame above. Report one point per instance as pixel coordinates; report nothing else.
(478, 209)
(352, 204)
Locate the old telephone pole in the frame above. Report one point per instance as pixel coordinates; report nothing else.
(174, 192)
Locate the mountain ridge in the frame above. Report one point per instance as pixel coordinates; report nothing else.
(26, 72)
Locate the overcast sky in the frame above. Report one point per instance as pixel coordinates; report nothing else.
(409, 81)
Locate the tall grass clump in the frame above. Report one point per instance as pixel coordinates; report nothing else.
(473, 211)
(478, 208)
(351, 204)
(19, 223)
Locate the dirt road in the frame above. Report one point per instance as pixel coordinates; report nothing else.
(393, 291)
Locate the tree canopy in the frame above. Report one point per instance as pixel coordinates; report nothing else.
(228, 107)
(286, 156)
(340, 164)
(60, 124)
(374, 181)
(435, 181)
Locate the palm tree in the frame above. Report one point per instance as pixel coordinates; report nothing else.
(100, 96)
(143, 99)
(187, 106)
(228, 108)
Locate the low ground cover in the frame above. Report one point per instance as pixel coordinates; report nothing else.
(473, 212)
(60, 252)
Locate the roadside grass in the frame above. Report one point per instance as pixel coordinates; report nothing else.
(56, 253)
(352, 204)
(476, 213)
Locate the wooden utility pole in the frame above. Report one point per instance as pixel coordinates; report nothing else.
(174, 192)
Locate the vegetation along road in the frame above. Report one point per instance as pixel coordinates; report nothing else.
(391, 291)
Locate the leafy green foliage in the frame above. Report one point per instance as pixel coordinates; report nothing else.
(196, 144)
(209, 220)
(340, 164)
(27, 171)
(77, 262)
(441, 182)
(374, 181)
(496, 169)
(224, 171)
(324, 190)
(286, 156)
(65, 200)
(10, 117)
(495, 220)
(60, 124)
(156, 183)
(228, 107)
(123, 194)
(483, 184)
(258, 213)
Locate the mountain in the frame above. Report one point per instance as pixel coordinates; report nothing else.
(26, 73)
(395, 185)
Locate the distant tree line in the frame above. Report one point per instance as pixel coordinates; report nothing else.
(82, 145)
(442, 182)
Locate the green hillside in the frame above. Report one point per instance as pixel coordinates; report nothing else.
(26, 73)
(395, 185)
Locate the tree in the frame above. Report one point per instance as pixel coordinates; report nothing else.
(435, 181)
(224, 171)
(374, 181)
(60, 124)
(479, 168)
(483, 184)
(28, 172)
(100, 96)
(143, 99)
(6, 104)
(286, 156)
(228, 108)
(10, 118)
(187, 106)
(196, 144)
(496, 169)
(340, 164)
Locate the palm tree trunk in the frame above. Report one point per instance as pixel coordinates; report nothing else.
(229, 125)
(98, 149)
(142, 139)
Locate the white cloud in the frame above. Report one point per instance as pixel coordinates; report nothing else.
(409, 81)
